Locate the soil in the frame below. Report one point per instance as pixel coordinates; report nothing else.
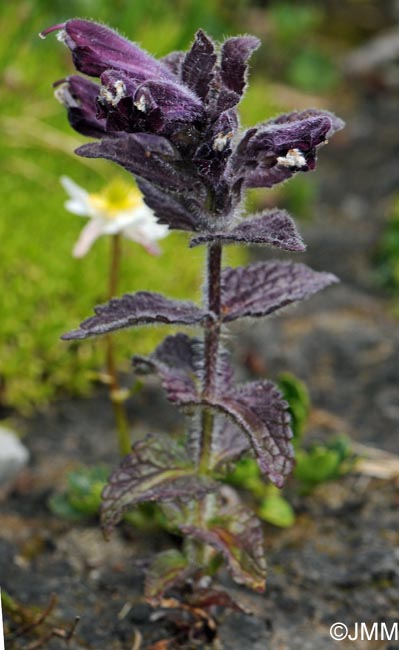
(338, 562)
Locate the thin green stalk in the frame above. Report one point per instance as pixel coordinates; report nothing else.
(116, 393)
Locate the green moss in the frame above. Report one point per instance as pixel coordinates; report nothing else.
(45, 291)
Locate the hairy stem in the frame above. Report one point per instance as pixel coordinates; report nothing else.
(212, 333)
(117, 395)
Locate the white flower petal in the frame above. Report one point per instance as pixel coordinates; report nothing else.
(77, 207)
(146, 233)
(140, 238)
(92, 231)
(78, 203)
(119, 222)
(73, 189)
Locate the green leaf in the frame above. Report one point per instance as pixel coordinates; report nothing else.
(297, 396)
(245, 471)
(85, 487)
(317, 465)
(233, 530)
(169, 568)
(277, 511)
(59, 505)
(323, 463)
(82, 497)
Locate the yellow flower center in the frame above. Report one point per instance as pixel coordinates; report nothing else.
(116, 197)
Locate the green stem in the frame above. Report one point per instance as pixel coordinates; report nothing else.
(117, 395)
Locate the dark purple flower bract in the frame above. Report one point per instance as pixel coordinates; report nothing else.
(183, 111)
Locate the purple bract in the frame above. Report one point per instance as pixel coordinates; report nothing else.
(173, 123)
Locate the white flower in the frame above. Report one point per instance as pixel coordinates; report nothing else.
(118, 208)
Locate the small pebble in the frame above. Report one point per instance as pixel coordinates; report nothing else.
(13, 455)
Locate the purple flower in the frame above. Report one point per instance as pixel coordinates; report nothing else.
(173, 123)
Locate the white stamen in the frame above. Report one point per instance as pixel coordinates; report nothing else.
(141, 104)
(62, 36)
(63, 95)
(220, 142)
(115, 95)
(120, 91)
(293, 158)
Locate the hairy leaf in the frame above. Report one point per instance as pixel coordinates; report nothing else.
(178, 362)
(145, 155)
(173, 61)
(257, 408)
(197, 67)
(167, 569)
(177, 211)
(272, 227)
(235, 54)
(264, 287)
(229, 442)
(157, 470)
(260, 411)
(236, 533)
(138, 308)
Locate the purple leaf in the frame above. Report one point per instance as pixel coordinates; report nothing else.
(157, 469)
(79, 96)
(173, 61)
(207, 597)
(177, 211)
(229, 442)
(198, 65)
(138, 308)
(272, 227)
(235, 54)
(148, 156)
(178, 362)
(96, 48)
(168, 569)
(264, 287)
(230, 78)
(226, 100)
(260, 411)
(277, 149)
(232, 530)
(256, 408)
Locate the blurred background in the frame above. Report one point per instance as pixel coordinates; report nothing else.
(336, 54)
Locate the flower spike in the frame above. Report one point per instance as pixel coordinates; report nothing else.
(173, 124)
